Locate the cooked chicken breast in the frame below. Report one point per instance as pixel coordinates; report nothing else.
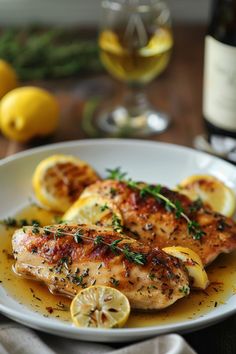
(147, 220)
(70, 257)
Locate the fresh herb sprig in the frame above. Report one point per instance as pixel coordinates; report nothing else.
(155, 191)
(131, 256)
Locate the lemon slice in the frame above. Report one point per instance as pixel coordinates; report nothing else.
(193, 264)
(59, 180)
(109, 41)
(161, 42)
(100, 306)
(94, 210)
(211, 191)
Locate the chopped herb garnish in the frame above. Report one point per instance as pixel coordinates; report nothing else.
(12, 222)
(35, 229)
(85, 272)
(64, 260)
(151, 276)
(78, 279)
(116, 224)
(34, 222)
(113, 192)
(194, 230)
(114, 281)
(196, 205)
(104, 207)
(9, 222)
(185, 290)
(23, 222)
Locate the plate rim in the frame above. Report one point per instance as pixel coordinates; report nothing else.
(126, 332)
(108, 141)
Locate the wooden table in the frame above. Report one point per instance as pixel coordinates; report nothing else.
(178, 91)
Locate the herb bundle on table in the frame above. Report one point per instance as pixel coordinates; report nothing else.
(54, 53)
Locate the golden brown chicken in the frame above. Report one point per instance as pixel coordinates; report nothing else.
(70, 257)
(147, 219)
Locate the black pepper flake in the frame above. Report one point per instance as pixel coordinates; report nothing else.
(49, 309)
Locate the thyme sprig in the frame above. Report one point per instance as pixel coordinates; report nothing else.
(155, 191)
(131, 256)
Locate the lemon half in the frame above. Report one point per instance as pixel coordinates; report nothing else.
(100, 306)
(193, 264)
(211, 191)
(60, 179)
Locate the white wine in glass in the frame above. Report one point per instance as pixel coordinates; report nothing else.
(135, 46)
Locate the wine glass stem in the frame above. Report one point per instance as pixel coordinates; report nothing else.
(135, 100)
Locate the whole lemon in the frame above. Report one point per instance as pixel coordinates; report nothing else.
(27, 112)
(8, 78)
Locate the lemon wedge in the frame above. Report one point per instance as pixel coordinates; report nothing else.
(193, 264)
(60, 179)
(94, 210)
(211, 191)
(100, 306)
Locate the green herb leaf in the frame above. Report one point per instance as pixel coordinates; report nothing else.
(135, 257)
(116, 174)
(116, 224)
(98, 240)
(113, 245)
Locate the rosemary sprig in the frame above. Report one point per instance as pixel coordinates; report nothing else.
(48, 53)
(131, 256)
(155, 191)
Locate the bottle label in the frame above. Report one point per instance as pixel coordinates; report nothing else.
(219, 87)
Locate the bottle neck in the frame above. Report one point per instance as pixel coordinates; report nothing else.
(223, 21)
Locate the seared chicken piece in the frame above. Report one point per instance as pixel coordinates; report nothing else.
(147, 220)
(70, 257)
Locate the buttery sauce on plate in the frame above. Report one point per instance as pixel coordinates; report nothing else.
(33, 294)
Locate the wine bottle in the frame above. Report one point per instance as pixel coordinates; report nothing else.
(219, 86)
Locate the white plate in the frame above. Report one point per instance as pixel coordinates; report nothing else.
(149, 161)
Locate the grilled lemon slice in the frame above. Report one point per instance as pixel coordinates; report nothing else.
(193, 264)
(211, 191)
(60, 179)
(95, 210)
(100, 306)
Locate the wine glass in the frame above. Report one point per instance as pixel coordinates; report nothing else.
(135, 44)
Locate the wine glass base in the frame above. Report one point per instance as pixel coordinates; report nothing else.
(120, 123)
